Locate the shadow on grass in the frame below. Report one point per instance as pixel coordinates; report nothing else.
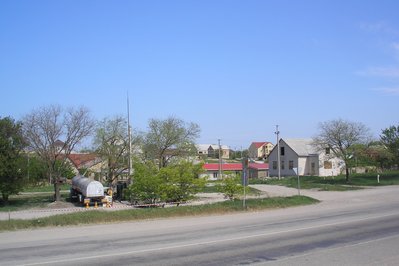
(29, 201)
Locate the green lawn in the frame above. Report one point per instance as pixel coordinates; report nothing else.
(30, 200)
(213, 189)
(98, 216)
(357, 181)
(48, 188)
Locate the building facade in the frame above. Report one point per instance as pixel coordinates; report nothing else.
(255, 170)
(260, 150)
(299, 156)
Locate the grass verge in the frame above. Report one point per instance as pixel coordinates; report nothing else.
(100, 217)
(338, 183)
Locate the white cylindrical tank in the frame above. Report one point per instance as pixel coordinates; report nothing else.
(88, 188)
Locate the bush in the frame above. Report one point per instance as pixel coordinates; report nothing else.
(181, 182)
(174, 183)
(231, 187)
(146, 187)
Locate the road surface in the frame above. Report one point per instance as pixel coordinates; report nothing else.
(347, 228)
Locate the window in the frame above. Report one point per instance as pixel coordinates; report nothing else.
(282, 151)
(274, 165)
(215, 175)
(282, 165)
(291, 165)
(328, 151)
(327, 165)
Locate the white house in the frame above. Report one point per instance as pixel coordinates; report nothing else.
(302, 155)
(202, 149)
(212, 150)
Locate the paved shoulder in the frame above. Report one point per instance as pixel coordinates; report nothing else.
(276, 191)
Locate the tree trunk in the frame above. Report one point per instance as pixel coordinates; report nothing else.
(57, 194)
(161, 162)
(5, 198)
(346, 174)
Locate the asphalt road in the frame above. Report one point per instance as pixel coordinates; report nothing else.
(347, 228)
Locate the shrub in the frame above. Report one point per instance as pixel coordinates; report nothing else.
(231, 187)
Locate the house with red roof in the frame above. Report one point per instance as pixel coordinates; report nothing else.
(255, 170)
(260, 150)
(88, 162)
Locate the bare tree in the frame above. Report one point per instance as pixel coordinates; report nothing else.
(339, 136)
(45, 127)
(169, 138)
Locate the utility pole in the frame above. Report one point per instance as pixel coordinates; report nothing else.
(129, 132)
(220, 160)
(245, 178)
(278, 152)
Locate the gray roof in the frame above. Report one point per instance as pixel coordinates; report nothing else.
(203, 147)
(303, 147)
(216, 147)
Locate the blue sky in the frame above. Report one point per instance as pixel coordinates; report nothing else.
(237, 68)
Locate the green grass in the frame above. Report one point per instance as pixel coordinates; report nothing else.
(338, 183)
(370, 179)
(213, 189)
(100, 217)
(47, 188)
(29, 201)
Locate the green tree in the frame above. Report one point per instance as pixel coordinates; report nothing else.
(11, 158)
(169, 139)
(231, 186)
(390, 138)
(147, 184)
(339, 136)
(360, 156)
(36, 172)
(181, 181)
(112, 144)
(380, 155)
(45, 127)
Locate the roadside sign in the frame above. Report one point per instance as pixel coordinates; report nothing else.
(295, 170)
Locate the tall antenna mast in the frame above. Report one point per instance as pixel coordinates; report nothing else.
(129, 132)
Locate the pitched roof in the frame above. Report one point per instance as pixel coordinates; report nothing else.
(202, 147)
(225, 166)
(302, 147)
(234, 166)
(59, 143)
(216, 147)
(259, 166)
(258, 144)
(82, 159)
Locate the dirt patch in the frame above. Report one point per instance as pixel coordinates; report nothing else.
(60, 205)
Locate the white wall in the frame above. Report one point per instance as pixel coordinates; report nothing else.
(304, 163)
